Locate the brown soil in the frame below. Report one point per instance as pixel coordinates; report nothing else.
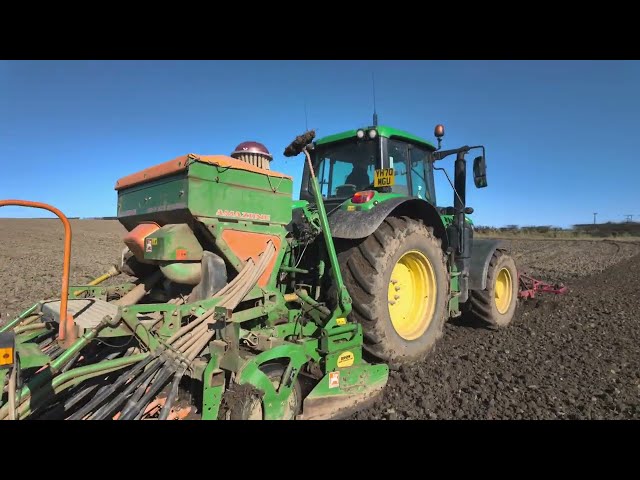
(564, 357)
(31, 258)
(572, 356)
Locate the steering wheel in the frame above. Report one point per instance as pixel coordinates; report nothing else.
(299, 143)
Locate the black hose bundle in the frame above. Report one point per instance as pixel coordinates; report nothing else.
(129, 375)
(107, 409)
(164, 413)
(137, 409)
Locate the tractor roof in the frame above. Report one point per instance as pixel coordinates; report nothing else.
(383, 131)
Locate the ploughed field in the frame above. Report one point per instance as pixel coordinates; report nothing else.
(571, 356)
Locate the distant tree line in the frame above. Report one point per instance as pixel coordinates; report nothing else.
(609, 229)
(541, 229)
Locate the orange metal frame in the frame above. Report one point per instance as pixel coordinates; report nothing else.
(67, 332)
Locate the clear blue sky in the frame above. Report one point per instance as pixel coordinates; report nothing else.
(560, 135)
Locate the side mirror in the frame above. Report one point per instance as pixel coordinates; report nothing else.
(479, 172)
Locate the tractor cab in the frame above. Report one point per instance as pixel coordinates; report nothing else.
(376, 158)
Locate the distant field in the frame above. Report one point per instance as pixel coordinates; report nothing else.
(31, 257)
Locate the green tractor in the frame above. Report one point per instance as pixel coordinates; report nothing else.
(245, 304)
(408, 264)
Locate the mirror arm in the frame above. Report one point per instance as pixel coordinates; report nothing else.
(442, 154)
(478, 146)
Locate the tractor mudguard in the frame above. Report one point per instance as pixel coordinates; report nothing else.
(481, 252)
(361, 224)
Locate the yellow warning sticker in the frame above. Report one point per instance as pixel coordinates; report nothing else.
(6, 356)
(346, 359)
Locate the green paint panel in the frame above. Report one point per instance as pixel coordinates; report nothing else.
(173, 242)
(448, 220)
(454, 300)
(207, 190)
(357, 379)
(383, 131)
(166, 194)
(239, 195)
(31, 356)
(212, 390)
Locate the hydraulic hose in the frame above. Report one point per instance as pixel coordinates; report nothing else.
(161, 380)
(164, 413)
(194, 344)
(197, 348)
(66, 380)
(138, 393)
(140, 290)
(71, 362)
(140, 385)
(31, 319)
(112, 388)
(26, 328)
(20, 318)
(79, 396)
(190, 326)
(104, 411)
(186, 342)
(13, 379)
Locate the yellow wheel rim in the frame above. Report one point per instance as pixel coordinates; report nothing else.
(412, 295)
(503, 290)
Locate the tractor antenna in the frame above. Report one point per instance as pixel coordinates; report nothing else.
(375, 114)
(306, 121)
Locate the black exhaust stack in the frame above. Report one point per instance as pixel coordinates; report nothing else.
(464, 231)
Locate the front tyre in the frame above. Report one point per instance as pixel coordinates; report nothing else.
(496, 304)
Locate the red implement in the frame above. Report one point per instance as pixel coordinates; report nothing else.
(529, 286)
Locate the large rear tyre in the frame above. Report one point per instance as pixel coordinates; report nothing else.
(496, 304)
(398, 281)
